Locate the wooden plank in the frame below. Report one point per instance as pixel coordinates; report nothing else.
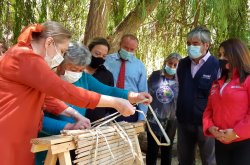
(39, 147)
(118, 159)
(101, 155)
(128, 160)
(114, 147)
(50, 158)
(139, 159)
(89, 147)
(63, 147)
(64, 158)
(103, 131)
(85, 143)
(101, 148)
(105, 157)
(55, 139)
(139, 129)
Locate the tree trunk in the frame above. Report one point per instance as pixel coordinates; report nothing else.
(197, 14)
(132, 22)
(97, 19)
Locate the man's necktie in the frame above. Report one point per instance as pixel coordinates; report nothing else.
(121, 77)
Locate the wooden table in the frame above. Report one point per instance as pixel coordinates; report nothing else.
(59, 146)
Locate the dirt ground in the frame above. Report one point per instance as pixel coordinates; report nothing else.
(174, 160)
(142, 139)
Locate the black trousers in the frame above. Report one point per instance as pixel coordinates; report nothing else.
(237, 153)
(188, 137)
(166, 151)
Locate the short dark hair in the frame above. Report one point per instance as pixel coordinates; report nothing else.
(98, 41)
(131, 36)
(238, 56)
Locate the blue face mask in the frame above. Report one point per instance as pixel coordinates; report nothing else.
(194, 51)
(125, 54)
(170, 71)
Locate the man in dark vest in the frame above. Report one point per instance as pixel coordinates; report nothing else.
(195, 74)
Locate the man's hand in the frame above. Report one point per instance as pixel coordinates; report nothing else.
(141, 97)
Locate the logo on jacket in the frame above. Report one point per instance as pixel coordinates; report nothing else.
(205, 76)
(164, 94)
(236, 86)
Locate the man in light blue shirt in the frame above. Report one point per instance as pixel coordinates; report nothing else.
(135, 71)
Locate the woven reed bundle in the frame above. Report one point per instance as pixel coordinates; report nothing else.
(115, 143)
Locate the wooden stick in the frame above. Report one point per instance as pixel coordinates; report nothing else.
(103, 130)
(100, 150)
(121, 160)
(104, 157)
(104, 146)
(82, 144)
(63, 147)
(107, 133)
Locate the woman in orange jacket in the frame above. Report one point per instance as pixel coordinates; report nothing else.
(227, 115)
(27, 82)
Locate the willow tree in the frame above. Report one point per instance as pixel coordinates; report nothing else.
(133, 21)
(97, 22)
(161, 25)
(15, 14)
(165, 30)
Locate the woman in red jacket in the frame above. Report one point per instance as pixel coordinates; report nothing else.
(227, 115)
(27, 83)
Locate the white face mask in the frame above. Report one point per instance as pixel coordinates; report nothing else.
(54, 61)
(71, 77)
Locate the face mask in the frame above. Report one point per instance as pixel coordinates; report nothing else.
(169, 70)
(54, 61)
(71, 77)
(96, 62)
(125, 54)
(194, 51)
(224, 66)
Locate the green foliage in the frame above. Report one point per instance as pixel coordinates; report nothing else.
(118, 11)
(163, 32)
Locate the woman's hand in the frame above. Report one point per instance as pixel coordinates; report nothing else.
(121, 105)
(215, 132)
(78, 125)
(124, 107)
(228, 135)
(81, 121)
(141, 97)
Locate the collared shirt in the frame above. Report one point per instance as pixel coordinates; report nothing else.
(195, 67)
(135, 75)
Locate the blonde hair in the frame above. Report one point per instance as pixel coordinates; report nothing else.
(53, 29)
